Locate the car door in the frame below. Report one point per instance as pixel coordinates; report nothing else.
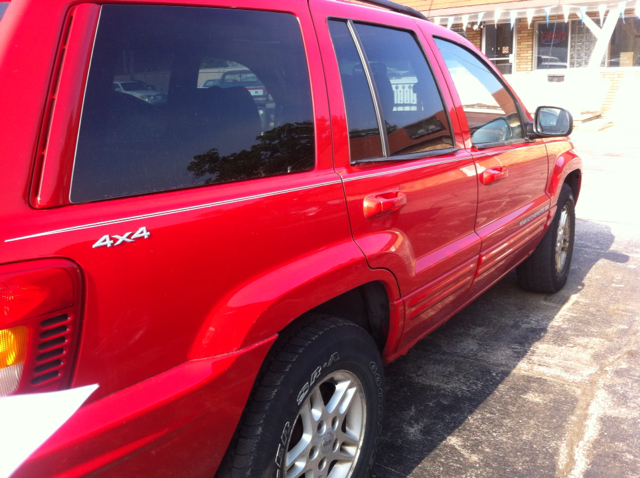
(411, 187)
(512, 170)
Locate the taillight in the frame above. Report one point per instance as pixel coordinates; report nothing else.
(13, 352)
(40, 304)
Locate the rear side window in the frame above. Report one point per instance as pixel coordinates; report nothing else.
(396, 89)
(180, 97)
(490, 110)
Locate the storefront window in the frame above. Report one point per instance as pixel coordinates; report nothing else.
(582, 43)
(459, 30)
(570, 44)
(624, 48)
(552, 45)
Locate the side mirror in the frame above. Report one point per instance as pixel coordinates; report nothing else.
(493, 131)
(551, 122)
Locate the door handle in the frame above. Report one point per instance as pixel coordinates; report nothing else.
(382, 203)
(491, 175)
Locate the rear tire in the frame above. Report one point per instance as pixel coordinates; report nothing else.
(547, 269)
(316, 406)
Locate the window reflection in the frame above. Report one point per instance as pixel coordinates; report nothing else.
(413, 112)
(490, 110)
(412, 107)
(180, 97)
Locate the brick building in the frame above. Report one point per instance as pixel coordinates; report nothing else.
(583, 56)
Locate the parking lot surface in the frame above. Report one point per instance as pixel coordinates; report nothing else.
(521, 384)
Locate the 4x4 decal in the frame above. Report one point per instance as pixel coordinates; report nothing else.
(107, 240)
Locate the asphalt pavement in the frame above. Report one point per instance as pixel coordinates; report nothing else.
(521, 384)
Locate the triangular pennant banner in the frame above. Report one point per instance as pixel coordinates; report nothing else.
(547, 11)
(566, 12)
(583, 12)
(601, 9)
(449, 23)
(529, 16)
(496, 16)
(465, 21)
(480, 17)
(436, 21)
(622, 6)
(513, 14)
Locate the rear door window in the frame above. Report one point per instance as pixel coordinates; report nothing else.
(179, 97)
(396, 90)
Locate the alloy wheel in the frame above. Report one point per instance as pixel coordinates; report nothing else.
(328, 433)
(563, 239)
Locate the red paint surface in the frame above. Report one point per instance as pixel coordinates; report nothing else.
(175, 327)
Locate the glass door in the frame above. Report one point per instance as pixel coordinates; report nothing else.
(498, 46)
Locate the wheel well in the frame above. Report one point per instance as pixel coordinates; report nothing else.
(573, 180)
(366, 306)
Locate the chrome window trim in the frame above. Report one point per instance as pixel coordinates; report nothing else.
(372, 88)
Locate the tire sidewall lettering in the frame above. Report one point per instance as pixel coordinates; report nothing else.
(317, 372)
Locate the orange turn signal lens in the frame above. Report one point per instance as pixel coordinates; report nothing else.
(13, 352)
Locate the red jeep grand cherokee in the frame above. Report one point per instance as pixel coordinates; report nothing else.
(234, 272)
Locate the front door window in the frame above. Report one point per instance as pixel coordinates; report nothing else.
(490, 109)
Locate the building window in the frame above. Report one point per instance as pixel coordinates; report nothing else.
(582, 43)
(459, 30)
(570, 45)
(624, 48)
(552, 45)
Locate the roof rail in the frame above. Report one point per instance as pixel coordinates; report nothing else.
(397, 8)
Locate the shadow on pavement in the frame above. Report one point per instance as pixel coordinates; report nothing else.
(447, 377)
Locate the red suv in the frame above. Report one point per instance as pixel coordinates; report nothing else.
(232, 275)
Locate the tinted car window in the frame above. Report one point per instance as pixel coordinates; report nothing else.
(364, 133)
(413, 110)
(227, 74)
(490, 110)
(408, 98)
(149, 122)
